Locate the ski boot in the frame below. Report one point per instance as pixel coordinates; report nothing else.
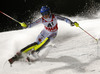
(15, 58)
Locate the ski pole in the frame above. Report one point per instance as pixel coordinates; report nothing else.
(77, 25)
(21, 23)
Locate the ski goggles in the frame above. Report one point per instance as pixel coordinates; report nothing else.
(45, 13)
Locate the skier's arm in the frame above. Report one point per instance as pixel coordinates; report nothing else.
(35, 23)
(65, 19)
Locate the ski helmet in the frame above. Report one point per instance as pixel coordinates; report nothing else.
(45, 10)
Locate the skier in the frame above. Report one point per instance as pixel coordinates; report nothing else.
(47, 34)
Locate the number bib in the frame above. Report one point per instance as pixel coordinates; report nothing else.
(50, 25)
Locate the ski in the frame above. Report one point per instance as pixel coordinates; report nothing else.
(19, 56)
(16, 57)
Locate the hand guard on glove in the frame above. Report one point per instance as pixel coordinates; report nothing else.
(74, 24)
(23, 25)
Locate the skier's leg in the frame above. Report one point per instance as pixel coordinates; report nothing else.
(18, 55)
(48, 38)
(29, 46)
(39, 44)
(42, 44)
(42, 39)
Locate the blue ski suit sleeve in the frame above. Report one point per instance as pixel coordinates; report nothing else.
(64, 19)
(35, 23)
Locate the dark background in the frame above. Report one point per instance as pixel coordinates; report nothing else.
(22, 10)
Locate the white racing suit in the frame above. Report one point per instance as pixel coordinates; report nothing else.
(49, 31)
(50, 27)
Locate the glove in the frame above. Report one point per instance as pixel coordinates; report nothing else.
(23, 24)
(72, 24)
(75, 23)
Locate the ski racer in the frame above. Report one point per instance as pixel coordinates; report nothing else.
(49, 32)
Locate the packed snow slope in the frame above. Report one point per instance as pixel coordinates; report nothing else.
(72, 51)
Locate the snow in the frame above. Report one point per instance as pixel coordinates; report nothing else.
(73, 51)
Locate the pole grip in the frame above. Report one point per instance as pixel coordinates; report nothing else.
(76, 24)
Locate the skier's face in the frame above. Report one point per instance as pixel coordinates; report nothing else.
(46, 16)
